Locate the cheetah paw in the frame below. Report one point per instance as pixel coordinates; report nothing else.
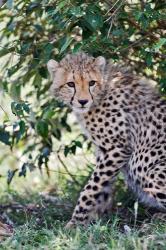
(70, 225)
(159, 216)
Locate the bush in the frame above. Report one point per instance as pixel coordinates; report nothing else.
(33, 32)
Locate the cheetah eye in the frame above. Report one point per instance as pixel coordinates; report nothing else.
(92, 83)
(71, 84)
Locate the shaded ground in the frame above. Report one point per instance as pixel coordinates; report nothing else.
(38, 222)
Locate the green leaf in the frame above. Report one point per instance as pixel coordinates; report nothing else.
(78, 144)
(118, 32)
(10, 175)
(18, 108)
(37, 81)
(48, 48)
(76, 11)
(43, 72)
(13, 108)
(66, 150)
(48, 114)
(73, 149)
(24, 48)
(5, 51)
(159, 44)
(77, 47)
(138, 15)
(23, 170)
(32, 6)
(25, 106)
(15, 91)
(38, 28)
(66, 44)
(148, 59)
(4, 137)
(12, 70)
(42, 128)
(56, 133)
(95, 20)
(22, 127)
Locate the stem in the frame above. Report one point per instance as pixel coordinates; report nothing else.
(65, 167)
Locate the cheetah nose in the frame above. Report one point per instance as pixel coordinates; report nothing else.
(83, 102)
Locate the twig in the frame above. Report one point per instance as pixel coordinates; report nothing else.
(4, 111)
(142, 5)
(65, 167)
(67, 173)
(134, 43)
(112, 7)
(137, 26)
(52, 170)
(109, 30)
(55, 171)
(113, 14)
(2, 2)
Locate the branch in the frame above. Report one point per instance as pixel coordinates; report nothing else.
(65, 167)
(2, 2)
(137, 26)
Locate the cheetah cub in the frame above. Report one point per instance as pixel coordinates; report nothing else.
(125, 118)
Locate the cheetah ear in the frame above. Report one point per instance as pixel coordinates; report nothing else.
(100, 62)
(52, 66)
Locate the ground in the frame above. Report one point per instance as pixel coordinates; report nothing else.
(38, 214)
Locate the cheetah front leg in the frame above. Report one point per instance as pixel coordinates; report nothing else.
(96, 192)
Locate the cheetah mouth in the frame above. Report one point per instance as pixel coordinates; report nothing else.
(81, 109)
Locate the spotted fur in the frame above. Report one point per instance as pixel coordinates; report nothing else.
(125, 117)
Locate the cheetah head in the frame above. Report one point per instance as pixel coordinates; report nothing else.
(77, 80)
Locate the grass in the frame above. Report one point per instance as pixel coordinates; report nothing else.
(39, 221)
(45, 234)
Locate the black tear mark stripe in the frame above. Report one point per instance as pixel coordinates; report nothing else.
(89, 88)
(90, 93)
(71, 101)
